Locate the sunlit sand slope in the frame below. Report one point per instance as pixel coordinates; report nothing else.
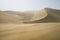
(41, 31)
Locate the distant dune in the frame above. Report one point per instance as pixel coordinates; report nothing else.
(9, 17)
(45, 15)
(14, 17)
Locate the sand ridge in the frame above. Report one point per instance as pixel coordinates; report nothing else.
(43, 16)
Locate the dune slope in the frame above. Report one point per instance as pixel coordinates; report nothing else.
(45, 15)
(10, 17)
(50, 15)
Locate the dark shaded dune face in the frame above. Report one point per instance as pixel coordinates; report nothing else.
(48, 19)
(53, 15)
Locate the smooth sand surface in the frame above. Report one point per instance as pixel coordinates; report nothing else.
(39, 31)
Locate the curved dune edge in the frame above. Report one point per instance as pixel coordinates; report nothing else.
(44, 16)
(39, 15)
(48, 16)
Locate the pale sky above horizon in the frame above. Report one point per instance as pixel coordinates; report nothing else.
(24, 5)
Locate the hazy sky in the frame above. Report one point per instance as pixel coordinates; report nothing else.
(23, 5)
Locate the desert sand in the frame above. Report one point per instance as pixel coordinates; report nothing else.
(37, 25)
(41, 31)
(46, 15)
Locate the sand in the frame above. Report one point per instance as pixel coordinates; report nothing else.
(41, 25)
(41, 31)
(46, 15)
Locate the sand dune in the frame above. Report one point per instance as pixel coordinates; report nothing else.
(9, 17)
(47, 15)
(14, 17)
(44, 16)
(41, 25)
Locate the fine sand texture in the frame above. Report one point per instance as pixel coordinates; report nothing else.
(39, 31)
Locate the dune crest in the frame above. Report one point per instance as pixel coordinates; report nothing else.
(39, 15)
(43, 16)
(50, 16)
